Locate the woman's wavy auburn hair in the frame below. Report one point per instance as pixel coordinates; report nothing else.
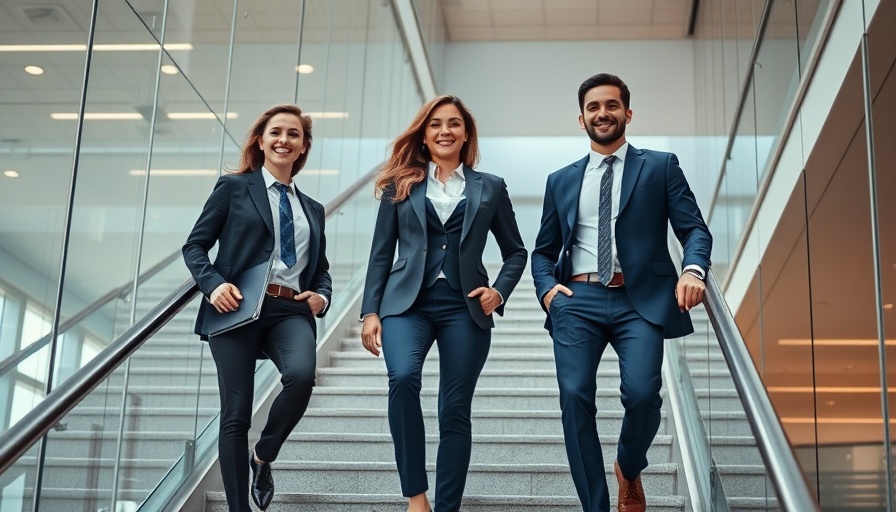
(409, 160)
(253, 157)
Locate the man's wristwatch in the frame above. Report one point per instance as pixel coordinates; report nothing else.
(694, 273)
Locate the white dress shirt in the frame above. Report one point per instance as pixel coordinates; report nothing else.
(445, 196)
(584, 245)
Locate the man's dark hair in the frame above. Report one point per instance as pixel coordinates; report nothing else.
(603, 79)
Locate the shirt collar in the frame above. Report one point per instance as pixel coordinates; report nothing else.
(597, 158)
(459, 171)
(269, 180)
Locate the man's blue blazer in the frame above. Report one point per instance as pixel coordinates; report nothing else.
(654, 194)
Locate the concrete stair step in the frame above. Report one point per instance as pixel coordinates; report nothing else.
(85, 473)
(496, 422)
(539, 399)
(381, 478)
(757, 504)
(541, 346)
(157, 395)
(150, 419)
(502, 361)
(744, 481)
(378, 503)
(727, 423)
(718, 400)
(186, 376)
(135, 445)
(75, 499)
(487, 449)
(607, 376)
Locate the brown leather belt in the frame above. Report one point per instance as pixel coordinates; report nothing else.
(592, 278)
(277, 290)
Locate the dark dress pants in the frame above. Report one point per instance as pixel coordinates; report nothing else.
(584, 324)
(439, 314)
(284, 334)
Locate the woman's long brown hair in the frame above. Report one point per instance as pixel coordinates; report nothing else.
(253, 157)
(409, 160)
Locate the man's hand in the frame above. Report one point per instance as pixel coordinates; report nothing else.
(372, 334)
(549, 297)
(315, 302)
(689, 291)
(489, 299)
(225, 298)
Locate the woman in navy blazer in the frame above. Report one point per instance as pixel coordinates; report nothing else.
(438, 211)
(258, 214)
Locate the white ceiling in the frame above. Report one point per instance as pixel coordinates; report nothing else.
(565, 20)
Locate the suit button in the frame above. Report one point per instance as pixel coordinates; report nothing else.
(444, 246)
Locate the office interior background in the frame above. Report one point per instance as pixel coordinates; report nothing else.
(118, 116)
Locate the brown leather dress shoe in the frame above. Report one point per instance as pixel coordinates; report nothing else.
(631, 493)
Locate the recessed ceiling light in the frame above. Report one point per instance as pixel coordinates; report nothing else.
(97, 116)
(319, 172)
(9, 173)
(34, 70)
(169, 69)
(180, 116)
(305, 69)
(327, 115)
(888, 306)
(175, 172)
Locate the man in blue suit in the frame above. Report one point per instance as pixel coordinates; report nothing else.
(603, 274)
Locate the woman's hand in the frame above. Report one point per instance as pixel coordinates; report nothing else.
(225, 298)
(372, 334)
(315, 302)
(489, 299)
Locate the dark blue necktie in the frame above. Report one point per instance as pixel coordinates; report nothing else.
(287, 230)
(605, 213)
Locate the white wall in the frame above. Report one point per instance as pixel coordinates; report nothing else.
(530, 88)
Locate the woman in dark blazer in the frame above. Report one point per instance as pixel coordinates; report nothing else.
(438, 211)
(256, 215)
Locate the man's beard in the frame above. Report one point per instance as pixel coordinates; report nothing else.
(609, 138)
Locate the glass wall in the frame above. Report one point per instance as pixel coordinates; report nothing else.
(816, 280)
(118, 118)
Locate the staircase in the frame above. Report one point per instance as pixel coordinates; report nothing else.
(737, 458)
(340, 458)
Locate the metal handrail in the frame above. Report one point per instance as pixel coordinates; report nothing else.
(786, 476)
(37, 422)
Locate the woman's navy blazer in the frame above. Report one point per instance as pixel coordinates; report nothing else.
(393, 284)
(238, 217)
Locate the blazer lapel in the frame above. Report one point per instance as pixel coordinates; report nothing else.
(259, 195)
(634, 160)
(418, 202)
(574, 191)
(473, 192)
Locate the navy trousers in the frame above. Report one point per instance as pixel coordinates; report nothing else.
(284, 334)
(439, 314)
(584, 325)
